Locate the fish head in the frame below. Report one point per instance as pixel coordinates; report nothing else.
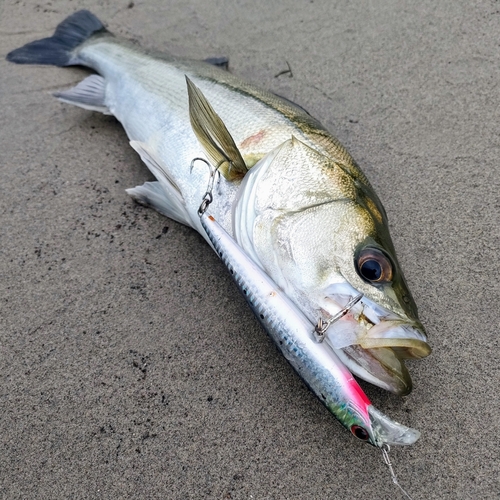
(322, 234)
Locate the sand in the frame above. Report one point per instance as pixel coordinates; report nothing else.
(130, 365)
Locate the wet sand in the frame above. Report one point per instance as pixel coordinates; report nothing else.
(130, 365)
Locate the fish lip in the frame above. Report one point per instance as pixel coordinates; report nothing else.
(406, 339)
(388, 432)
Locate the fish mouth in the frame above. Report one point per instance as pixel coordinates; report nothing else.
(374, 343)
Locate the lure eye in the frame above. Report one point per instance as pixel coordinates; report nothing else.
(374, 266)
(360, 433)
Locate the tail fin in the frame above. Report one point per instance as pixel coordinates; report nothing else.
(58, 49)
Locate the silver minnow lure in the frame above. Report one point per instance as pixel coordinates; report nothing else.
(293, 333)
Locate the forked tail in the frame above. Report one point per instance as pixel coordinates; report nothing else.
(59, 49)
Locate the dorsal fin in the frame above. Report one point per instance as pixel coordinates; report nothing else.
(213, 135)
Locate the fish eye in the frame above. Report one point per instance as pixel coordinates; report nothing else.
(374, 266)
(360, 433)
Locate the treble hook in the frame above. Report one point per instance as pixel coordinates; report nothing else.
(207, 197)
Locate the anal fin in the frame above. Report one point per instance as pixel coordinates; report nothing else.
(164, 196)
(88, 94)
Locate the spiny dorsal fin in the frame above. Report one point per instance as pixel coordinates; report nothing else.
(213, 135)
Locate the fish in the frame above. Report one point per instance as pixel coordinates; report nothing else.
(288, 192)
(293, 334)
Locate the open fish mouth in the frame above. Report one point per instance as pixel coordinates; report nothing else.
(374, 342)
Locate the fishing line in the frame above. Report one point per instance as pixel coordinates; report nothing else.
(385, 453)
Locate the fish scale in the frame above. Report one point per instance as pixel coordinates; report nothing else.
(143, 94)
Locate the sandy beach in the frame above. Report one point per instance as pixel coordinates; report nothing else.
(131, 367)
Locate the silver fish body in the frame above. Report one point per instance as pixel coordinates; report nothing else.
(303, 211)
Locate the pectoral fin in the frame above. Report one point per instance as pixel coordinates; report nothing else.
(214, 136)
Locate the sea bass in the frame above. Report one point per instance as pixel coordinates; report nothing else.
(289, 193)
